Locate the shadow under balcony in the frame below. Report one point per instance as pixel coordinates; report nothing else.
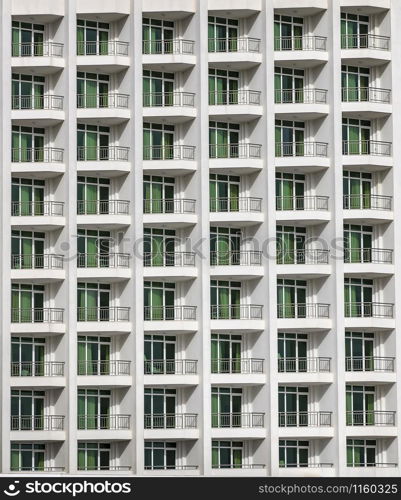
(177, 266)
(175, 107)
(309, 156)
(306, 104)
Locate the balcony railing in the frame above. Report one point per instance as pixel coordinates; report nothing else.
(365, 41)
(176, 152)
(37, 315)
(170, 313)
(309, 464)
(368, 310)
(40, 49)
(168, 99)
(102, 153)
(37, 422)
(103, 313)
(43, 468)
(366, 94)
(46, 261)
(110, 468)
(369, 364)
(242, 420)
(111, 368)
(177, 46)
(100, 422)
(169, 206)
(235, 44)
(103, 260)
(169, 259)
(303, 256)
(303, 310)
(37, 369)
(238, 365)
(367, 202)
(374, 464)
(236, 311)
(103, 207)
(37, 102)
(303, 149)
(374, 148)
(304, 365)
(107, 100)
(240, 258)
(37, 155)
(37, 208)
(371, 417)
(300, 96)
(302, 202)
(368, 255)
(238, 466)
(171, 467)
(305, 419)
(235, 151)
(300, 43)
(235, 97)
(99, 48)
(171, 367)
(171, 421)
(241, 204)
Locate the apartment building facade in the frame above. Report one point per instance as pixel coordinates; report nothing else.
(199, 237)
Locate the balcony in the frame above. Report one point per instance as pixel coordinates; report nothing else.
(171, 367)
(47, 161)
(304, 365)
(171, 421)
(105, 468)
(374, 148)
(314, 262)
(236, 311)
(305, 419)
(223, 470)
(235, 158)
(303, 256)
(242, 420)
(243, 210)
(176, 107)
(367, 202)
(105, 267)
(307, 104)
(44, 111)
(43, 57)
(369, 417)
(171, 469)
(37, 369)
(34, 469)
(109, 314)
(368, 49)
(308, 316)
(109, 368)
(111, 108)
(300, 51)
(366, 102)
(368, 256)
(37, 261)
(102, 153)
(104, 422)
(245, 264)
(242, 366)
(37, 315)
(37, 423)
(177, 266)
(175, 55)
(108, 214)
(370, 364)
(368, 310)
(43, 215)
(173, 153)
(172, 319)
(239, 105)
(238, 53)
(110, 55)
(169, 212)
(308, 209)
(309, 155)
